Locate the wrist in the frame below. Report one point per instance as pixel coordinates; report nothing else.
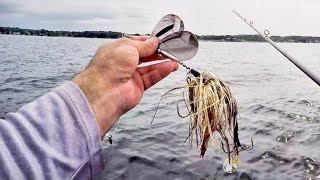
(101, 97)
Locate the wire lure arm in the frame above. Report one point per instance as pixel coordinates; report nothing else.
(175, 59)
(265, 35)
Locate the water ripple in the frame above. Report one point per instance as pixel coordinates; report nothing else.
(278, 106)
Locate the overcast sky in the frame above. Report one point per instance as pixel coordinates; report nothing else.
(280, 17)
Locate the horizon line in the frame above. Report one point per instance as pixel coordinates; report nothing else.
(148, 33)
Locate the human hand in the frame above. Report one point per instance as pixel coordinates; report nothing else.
(113, 83)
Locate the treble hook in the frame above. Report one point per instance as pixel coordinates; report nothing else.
(247, 149)
(236, 147)
(182, 116)
(237, 141)
(222, 147)
(185, 102)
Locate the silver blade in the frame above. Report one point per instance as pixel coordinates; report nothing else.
(167, 25)
(182, 44)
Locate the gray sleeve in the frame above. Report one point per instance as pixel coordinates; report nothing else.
(54, 137)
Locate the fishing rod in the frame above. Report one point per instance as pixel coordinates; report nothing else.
(265, 35)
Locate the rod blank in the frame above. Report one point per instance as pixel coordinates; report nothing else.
(309, 73)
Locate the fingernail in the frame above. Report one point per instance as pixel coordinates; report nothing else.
(152, 40)
(176, 66)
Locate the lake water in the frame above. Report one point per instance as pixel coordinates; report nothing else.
(279, 108)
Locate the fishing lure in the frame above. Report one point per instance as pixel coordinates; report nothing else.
(212, 109)
(213, 114)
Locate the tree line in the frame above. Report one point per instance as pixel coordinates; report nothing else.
(115, 35)
(44, 32)
(257, 38)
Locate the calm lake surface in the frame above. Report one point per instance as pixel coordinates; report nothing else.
(279, 108)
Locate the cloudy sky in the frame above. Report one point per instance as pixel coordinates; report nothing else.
(280, 17)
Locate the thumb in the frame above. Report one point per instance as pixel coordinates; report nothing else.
(148, 47)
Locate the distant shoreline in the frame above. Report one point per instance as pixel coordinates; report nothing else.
(115, 35)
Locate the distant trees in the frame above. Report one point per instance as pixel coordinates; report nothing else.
(257, 38)
(44, 32)
(115, 35)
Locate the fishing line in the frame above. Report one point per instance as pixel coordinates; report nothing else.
(265, 36)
